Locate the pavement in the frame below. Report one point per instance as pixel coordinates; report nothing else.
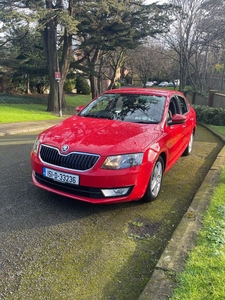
(172, 261)
(20, 127)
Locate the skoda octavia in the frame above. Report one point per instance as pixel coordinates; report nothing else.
(117, 147)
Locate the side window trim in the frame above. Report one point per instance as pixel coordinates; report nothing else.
(173, 106)
(182, 104)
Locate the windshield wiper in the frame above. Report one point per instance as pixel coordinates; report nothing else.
(146, 122)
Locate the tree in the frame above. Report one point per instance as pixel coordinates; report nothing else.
(24, 58)
(112, 62)
(185, 35)
(213, 27)
(108, 28)
(55, 20)
(146, 60)
(58, 18)
(98, 26)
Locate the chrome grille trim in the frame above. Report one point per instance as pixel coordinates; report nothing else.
(73, 161)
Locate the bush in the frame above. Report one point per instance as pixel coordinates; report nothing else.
(118, 85)
(69, 85)
(210, 115)
(82, 86)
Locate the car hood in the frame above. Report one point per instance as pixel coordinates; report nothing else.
(101, 136)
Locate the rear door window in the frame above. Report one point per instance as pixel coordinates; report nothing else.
(183, 105)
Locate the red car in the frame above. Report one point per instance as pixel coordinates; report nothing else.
(117, 147)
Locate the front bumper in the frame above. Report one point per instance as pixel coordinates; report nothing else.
(84, 193)
(93, 181)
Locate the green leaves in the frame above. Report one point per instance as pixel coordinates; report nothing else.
(210, 115)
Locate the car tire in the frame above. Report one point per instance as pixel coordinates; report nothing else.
(155, 181)
(188, 150)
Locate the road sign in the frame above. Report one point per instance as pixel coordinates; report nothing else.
(57, 76)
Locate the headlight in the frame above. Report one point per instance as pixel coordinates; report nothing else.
(35, 147)
(123, 161)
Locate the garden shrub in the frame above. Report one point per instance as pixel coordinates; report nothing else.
(82, 86)
(69, 85)
(118, 85)
(210, 115)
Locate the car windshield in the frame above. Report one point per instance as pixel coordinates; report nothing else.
(127, 107)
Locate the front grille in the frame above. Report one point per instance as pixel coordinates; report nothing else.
(74, 160)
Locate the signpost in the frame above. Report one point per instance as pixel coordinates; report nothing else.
(57, 78)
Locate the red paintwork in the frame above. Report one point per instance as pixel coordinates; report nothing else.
(111, 137)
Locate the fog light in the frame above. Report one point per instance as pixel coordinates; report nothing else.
(115, 192)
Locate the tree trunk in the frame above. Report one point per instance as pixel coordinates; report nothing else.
(28, 84)
(49, 38)
(53, 95)
(65, 64)
(94, 86)
(93, 79)
(49, 43)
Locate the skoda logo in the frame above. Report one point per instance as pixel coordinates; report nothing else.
(65, 148)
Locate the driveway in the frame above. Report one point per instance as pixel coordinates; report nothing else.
(56, 248)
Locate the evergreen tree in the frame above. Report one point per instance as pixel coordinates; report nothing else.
(96, 27)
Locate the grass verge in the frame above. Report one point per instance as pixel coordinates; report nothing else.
(33, 108)
(220, 129)
(204, 273)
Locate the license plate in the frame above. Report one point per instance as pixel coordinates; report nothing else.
(61, 176)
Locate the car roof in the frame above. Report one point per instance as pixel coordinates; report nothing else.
(143, 91)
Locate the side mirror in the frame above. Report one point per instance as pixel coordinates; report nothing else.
(177, 119)
(79, 108)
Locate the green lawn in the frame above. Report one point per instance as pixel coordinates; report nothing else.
(220, 129)
(24, 113)
(76, 100)
(204, 274)
(24, 109)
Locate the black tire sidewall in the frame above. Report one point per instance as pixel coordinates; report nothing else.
(148, 196)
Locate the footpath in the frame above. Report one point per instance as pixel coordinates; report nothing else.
(172, 260)
(20, 127)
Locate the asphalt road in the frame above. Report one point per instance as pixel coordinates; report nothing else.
(56, 248)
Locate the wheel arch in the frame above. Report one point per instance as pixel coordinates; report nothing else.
(194, 130)
(163, 155)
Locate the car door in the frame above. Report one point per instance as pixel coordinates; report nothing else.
(175, 134)
(187, 126)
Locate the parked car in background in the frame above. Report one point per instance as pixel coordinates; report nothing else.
(117, 147)
(163, 84)
(176, 82)
(148, 83)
